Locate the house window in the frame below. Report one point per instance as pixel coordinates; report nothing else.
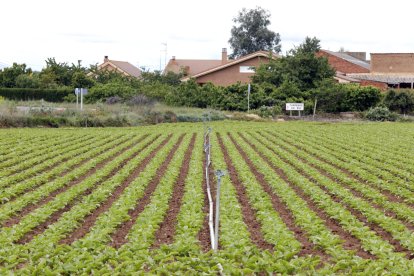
(246, 69)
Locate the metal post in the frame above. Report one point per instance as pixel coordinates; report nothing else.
(248, 98)
(219, 175)
(314, 108)
(81, 92)
(77, 97)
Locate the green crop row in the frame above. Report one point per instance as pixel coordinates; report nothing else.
(340, 158)
(32, 197)
(84, 153)
(375, 196)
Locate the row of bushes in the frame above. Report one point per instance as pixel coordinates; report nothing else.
(265, 99)
(331, 97)
(24, 94)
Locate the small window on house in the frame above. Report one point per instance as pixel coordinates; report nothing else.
(246, 69)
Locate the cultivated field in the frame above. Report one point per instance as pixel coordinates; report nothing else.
(298, 198)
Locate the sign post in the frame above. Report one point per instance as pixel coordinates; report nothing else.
(81, 91)
(295, 106)
(77, 91)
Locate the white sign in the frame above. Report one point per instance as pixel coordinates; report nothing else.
(295, 106)
(82, 91)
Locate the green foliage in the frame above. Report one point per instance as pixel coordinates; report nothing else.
(156, 90)
(301, 66)
(169, 78)
(110, 89)
(360, 98)
(380, 113)
(251, 33)
(107, 76)
(23, 94)
(81, 80)
(334, 97)
(401, 101)
(58, 74)
(268, 111)
(9, 75)
(28, 81)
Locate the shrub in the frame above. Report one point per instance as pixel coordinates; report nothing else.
(113, 100)
(268, 111)
(401, 101)
(140, 100)
(360, 98)
(380, 113)
(23, 94)
(103, 91)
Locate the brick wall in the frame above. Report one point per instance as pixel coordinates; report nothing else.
(231, 75)
(381, 85)
(392, 63)
(342, 65)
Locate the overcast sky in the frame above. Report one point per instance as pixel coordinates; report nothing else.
(135, 31)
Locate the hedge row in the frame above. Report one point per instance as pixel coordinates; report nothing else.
(24, 94)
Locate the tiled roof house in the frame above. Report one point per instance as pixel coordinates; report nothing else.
(122, 67)
(221, 72)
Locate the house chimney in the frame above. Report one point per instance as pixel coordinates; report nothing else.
(173, 58)
(224, 55)
(106, 58)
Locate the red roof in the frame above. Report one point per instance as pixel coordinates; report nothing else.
(123, 67)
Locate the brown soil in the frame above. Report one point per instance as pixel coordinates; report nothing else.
(388, 194)
(119, 237)
(249, 215)
(356, 193)
(349, 241)
(285, 214)
(165, 233)
(87, 142)
(90, 220)
(374, 227)
(204, 234)
(28, 154)
(56, 215)
(33, 206)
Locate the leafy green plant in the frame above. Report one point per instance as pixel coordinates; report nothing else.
(380, 113)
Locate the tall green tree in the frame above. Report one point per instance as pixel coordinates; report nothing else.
(9, 75)
(301, 66)
(251, 33)
(401, 101)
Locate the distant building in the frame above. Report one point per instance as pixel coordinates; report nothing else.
(221, 72)
(392, 69)
(349, 66)
(123, 67)
(346, 62)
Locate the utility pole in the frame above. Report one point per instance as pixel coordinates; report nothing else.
(165, 54)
